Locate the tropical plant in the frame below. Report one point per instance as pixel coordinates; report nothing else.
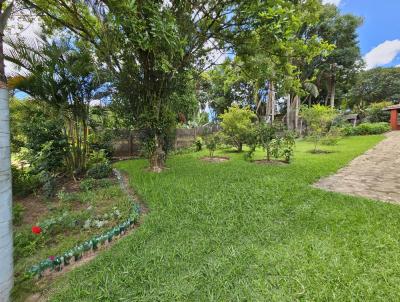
(61, 74)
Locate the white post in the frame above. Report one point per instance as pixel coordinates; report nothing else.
(6, 244)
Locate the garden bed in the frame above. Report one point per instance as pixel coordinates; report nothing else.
(66, 231)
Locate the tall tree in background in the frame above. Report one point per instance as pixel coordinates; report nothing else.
(6, 244)
(275, 52)
(338, 70)
(375, 85)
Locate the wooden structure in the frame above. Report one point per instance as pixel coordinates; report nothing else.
(394, 116)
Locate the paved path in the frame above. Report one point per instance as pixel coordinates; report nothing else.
(375, 174)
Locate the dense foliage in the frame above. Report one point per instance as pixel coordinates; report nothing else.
(236, 124)
(367, 129)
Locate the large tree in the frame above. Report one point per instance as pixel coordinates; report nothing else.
(149, 47)
(337, 71)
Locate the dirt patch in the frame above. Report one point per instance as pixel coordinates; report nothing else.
(273, 162)
(34, 208)
(215, 159)
(320, 151)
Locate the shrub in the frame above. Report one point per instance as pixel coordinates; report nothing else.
(49, 184)
(367, 129)
(97, 156)
(267, 137)
(236, 124)
(375, 113)
(24, 182)
(100, 170)
(287, 144)
(198, 143)
(252, 142)
(212, 142)
(102, 141)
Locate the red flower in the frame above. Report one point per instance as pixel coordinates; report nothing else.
(36, 229)
(52, 258)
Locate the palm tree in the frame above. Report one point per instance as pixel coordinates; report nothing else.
(6, 244)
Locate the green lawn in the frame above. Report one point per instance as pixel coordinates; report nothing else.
(239, 231)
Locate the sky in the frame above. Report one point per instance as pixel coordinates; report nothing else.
(380, 34)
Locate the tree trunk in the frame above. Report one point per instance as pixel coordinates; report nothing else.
(288, 113)
(333, 91)
(273, 101)
(157, 158)
(6, 234)
(296, 111)
(6, 244)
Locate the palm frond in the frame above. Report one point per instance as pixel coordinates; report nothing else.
(311, 88)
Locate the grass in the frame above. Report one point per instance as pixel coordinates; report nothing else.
(237, 231)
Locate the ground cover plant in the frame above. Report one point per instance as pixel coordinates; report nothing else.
(239, 231)
(79, 211)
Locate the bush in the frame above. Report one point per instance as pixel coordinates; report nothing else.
(24, 182)
(366, 129)
(100, 170)
(375, 113)
(49, 184)
(212, 142)
(198, 143)
(236, 124)
(102, 141)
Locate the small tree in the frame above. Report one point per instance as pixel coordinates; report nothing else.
(267, 136)
(236, 124)
(318, 119)
(212, 142)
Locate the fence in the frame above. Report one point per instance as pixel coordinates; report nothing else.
(127, 143)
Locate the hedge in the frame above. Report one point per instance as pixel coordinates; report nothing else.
(366, 129)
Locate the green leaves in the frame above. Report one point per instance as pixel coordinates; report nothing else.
(6, 13)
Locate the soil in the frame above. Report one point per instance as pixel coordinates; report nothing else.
(34, 209)
(270, 162)
(318, 151)
(215, 159)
